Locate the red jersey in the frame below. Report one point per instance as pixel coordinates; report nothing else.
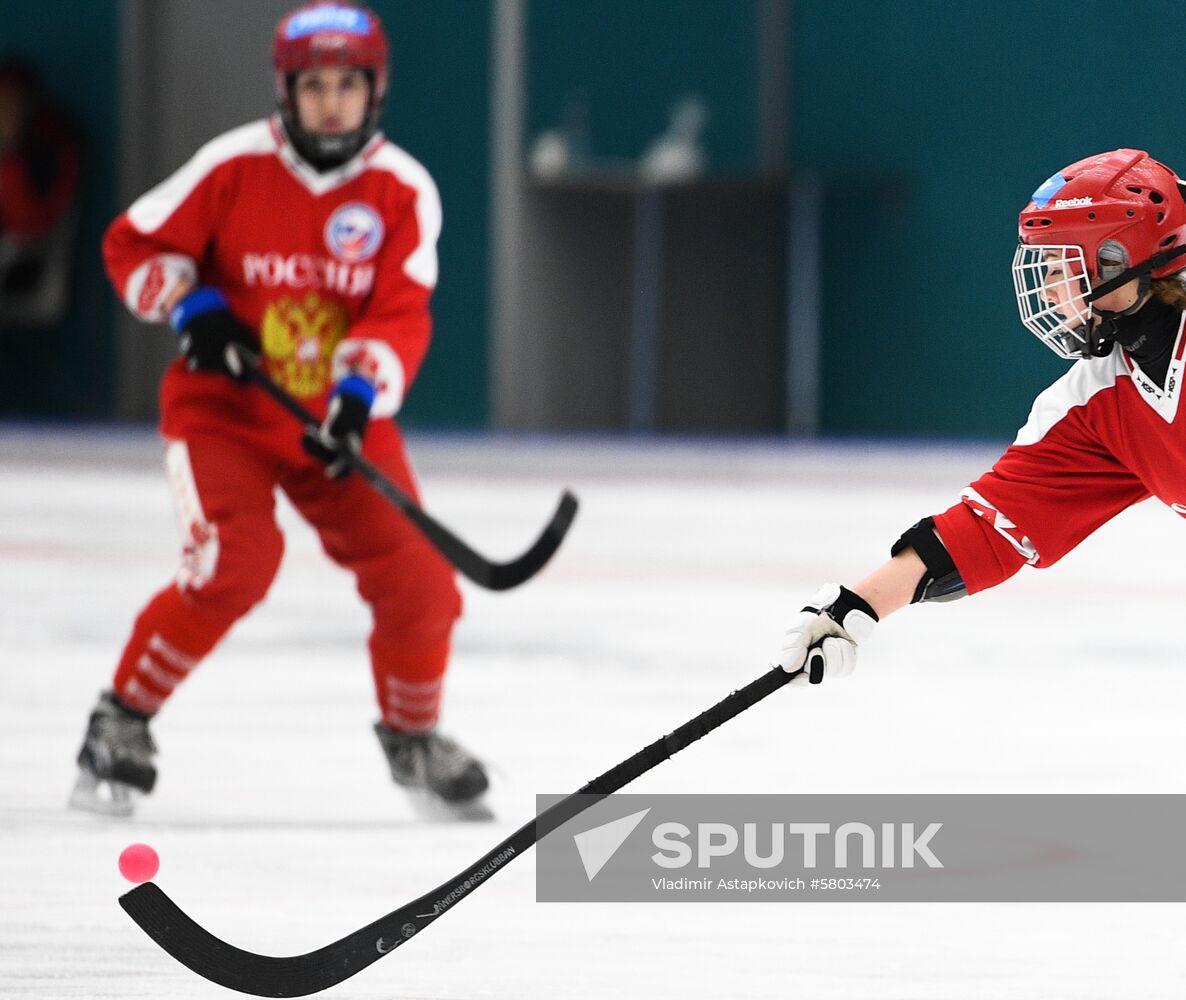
(1102, 438)
(333, 270)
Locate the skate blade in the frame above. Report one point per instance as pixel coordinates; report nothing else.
(435, 809)
(103, 798)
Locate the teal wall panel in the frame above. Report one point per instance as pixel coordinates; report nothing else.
(438, 110)
(930, 124)
(69, 370)
(627, 62)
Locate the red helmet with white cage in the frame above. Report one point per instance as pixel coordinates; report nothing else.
(1089, 229)
(329, 34)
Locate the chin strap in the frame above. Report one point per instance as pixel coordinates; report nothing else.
(1101, 338)
(1137, 303)
(1106, 331)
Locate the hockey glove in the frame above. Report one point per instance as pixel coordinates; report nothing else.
(824, 638)
(340, 435)
(207, 329)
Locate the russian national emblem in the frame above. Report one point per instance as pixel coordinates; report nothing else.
(299, 337)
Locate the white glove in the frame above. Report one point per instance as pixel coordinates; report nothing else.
(823, 638)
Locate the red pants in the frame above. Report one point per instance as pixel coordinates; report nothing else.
(223, 485)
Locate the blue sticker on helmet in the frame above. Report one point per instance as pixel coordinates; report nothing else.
(328, 17)
(1050, 187)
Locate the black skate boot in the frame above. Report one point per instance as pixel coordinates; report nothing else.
(435, 769)
(116, 757)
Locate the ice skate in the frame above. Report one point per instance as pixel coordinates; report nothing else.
(444, 781)
(115, 761)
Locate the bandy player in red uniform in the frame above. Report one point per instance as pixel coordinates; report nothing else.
(1100, 277)
(311, 240)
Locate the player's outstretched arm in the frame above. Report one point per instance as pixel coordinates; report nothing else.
(893, 584)
(823, 638)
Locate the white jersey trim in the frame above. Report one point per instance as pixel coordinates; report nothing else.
(1075, 388)
(1001, 524)
(318, 182)
(421, 265)
(1091, 375)
(200, 545)
(266, 137)
(151, 210)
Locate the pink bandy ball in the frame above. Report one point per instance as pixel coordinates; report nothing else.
(138, 863)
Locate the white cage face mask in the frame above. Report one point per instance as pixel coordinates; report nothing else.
(1052, 288)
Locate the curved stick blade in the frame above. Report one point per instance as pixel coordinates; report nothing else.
(245, 971)
(465, 559)
(504, 576)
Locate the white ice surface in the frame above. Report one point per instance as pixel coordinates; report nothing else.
(279, 830)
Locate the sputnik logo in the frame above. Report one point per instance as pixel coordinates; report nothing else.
(598, 845)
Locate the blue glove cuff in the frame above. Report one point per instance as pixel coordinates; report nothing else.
(358, 387)
(200, 300)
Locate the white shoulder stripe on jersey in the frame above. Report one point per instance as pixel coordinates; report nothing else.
(1075, 388)
(150, 211)
(421, 265)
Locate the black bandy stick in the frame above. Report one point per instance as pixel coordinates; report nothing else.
(300, 975)
(471, 564)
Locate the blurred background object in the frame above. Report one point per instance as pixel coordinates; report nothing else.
(642, 286)
(565, 148)
(65, 369)
(678, 155)
(833, 260)
(39, 173)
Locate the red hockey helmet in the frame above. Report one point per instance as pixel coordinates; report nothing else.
(329, 34)
(1092, 227)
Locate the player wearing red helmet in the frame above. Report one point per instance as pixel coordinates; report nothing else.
(336, 37)
(1088, 232)
(310, 239)
(1099, 278)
